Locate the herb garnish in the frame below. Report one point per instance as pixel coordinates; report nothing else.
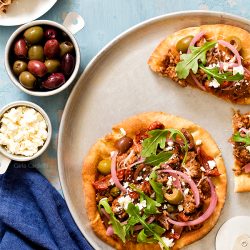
(221, 77)
(191, 61)
(238, 138)
(119, 229)
(157, 187)
(155, 160)
(158, 138)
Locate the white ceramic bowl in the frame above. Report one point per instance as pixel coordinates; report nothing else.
(16, 104)
(9, 67)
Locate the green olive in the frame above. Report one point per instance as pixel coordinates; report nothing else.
(175, 198)
(66, 47)
(53, 66)
(36, 53)
(104, 166)
(115, 191)
(235, 41)
(19, 67)
(183, 44)
(27, 80)
(171, 208)
(34, 34)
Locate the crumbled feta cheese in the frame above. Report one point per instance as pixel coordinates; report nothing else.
(125, 184)
(124, 201)
(122, 131)
(147, 178)
(170, 144)
(213, 65)
(185, 192)
(198, 142)
(23, 131)
(202, 169)
(238, 69)
(170, 181)
(180, 208)
(211, 164)
(172, 231)
(183, 183)
(248, 148)
(165, 206)
(144, 169)
(214, 83)
(169, 148)
(142, 204)
(225, 66)
(168, 242)
(139, 178)
(111, 182)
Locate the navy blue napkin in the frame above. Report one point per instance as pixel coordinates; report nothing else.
(33, 215)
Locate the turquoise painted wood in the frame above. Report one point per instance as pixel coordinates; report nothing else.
(105, 19)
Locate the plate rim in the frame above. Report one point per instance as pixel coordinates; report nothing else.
(30, 19)
(88, 68)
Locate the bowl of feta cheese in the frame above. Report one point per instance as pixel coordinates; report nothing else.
(25, 132)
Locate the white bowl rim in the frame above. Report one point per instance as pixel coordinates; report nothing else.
(49, 129)
(15, 35)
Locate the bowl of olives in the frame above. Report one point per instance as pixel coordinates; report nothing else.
(42, 58)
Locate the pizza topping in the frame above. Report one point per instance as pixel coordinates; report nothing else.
(183, 44)
(158, 187)
(104, 166)
(124, 144)
(195, 40)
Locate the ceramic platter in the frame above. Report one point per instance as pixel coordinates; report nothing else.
(117, 84)
(24, 11)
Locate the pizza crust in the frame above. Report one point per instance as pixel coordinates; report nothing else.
(213, 32)
(104, 146)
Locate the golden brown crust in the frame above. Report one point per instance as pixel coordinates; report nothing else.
(213, 32)
(102, 149)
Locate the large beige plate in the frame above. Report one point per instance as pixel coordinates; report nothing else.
(118, 84)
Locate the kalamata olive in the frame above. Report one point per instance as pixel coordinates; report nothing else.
(124, 144)
(104, 166)
(52, 65)
(20, 48)
(235, 41)
(27, 80)
(54, 81)
(37, 68)
(183, 44)
(36, 53)
(66, 47)
(68, 64)
(34, 34)
(50, 33)
(52, 48)
(19, 67)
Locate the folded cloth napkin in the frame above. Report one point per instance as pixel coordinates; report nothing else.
(33, 215)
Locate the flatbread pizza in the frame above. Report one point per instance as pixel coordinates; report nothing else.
(241, 149)
(157, 181)
(213, 58)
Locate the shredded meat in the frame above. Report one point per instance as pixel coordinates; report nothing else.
(189, 138)
(163, 219)
(189, 204)
(155, 125)
(192, 165)
(204, 189)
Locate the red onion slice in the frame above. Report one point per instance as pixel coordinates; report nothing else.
(113, 173)
(206, 215)
(137, 162)
(196, 39)
(109, 231)
(247, 168)
(188, 180)
(232, 48)
(199, 85)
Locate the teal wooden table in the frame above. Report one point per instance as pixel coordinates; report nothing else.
(105, 19)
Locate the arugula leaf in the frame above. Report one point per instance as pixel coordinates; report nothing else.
(119, 229)
(155, 160)
(150, 230)
(152, 205)
(220, 77)
(190, 61)
(158, 138)
(157, 187)
(238, 138)
(144, 238)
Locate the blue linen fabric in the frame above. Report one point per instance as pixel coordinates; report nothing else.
(33, 215)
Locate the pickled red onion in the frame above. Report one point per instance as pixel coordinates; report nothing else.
(113, 172)
(206, 215)
(109, 231)
(188, 180)
(247, 168)
(196, 39)
(197, 82)
(232, 48)
(137, 162)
